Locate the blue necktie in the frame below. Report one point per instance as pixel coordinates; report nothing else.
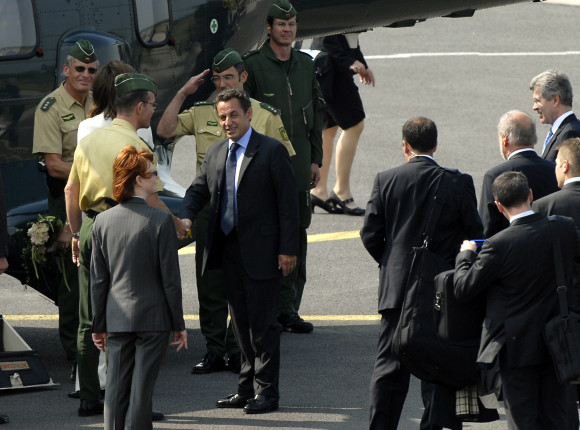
(228, 210)
(548, 137)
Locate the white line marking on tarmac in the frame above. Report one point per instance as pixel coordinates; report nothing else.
(469, 54)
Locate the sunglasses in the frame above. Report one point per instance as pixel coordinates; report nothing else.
(81, 69)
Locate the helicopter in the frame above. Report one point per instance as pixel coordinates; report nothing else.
(169, 40)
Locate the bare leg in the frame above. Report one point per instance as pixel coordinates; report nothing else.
(328, 135)
(345, 151)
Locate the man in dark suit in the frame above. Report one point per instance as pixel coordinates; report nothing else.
(395, 219)
(517, 137)
(135, 290)
(565, 202)
(516, 270)
(553, 102)
(249, 181)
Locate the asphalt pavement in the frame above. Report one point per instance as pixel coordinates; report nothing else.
(463, 74)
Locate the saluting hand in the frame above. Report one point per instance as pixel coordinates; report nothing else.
(192, 85)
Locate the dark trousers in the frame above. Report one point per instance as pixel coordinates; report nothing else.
(535, 400)
(293, 284)
(253, 307)
(134, 362)
(211, 293)
(390, 383)
(68, 291)
(87, 352)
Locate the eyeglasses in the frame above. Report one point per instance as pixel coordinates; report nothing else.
(81, 69)
(215, 79)
(154, 104)
(154, 173)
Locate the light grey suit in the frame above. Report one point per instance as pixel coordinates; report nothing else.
(136, 300)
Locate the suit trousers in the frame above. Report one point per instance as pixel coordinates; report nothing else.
(253, 307)
(134, 362)
(68, 296)
(390, 382)
(535, 400)
(87, 352)
(211, 293)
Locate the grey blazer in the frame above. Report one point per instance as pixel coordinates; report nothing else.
(135, 278)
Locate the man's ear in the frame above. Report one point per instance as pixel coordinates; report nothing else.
(531, 196)
(243, 76)
(500, 207)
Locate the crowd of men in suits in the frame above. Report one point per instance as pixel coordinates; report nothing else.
(514, 269)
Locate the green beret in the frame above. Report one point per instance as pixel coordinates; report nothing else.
(225, 59)
(128, 82)
(83, 51)
(282, 9)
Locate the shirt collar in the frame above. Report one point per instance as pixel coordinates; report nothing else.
(559, 121)
(521, 215)
(520, 150)
(576, 179)
(422, 155)
(244, 140)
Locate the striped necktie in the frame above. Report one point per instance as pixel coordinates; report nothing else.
(548, 137)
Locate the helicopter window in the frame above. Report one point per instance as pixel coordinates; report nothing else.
(18, 30)
(153, 21)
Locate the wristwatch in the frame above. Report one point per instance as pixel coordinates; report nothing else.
(76, 235)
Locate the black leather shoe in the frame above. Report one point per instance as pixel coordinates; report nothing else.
(294, 324)
(342, 204)
(211, 363)
(234, 362)
(233, 401)
(89, 408)
(157, 416)
(260, 404)
(74, 394)
(73, 372)
(4, 419)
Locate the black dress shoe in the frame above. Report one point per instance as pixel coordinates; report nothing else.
(328, 205)
(342, 204)
(234, 362)
(157, 416)
(211, 363)
(260, 404)
(4, 419)
(233, 401)
(294, 324)
(74, 394)
(73, 372)
(90, 407)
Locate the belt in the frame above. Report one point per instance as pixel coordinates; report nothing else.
(92, 214)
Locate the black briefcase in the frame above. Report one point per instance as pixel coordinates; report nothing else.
(456, 321)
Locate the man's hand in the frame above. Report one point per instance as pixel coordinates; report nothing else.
(100, 340)
(179, 340)
(287, 263)
(180, 227)
(193, 84)
(468, 245)
(3, 265)
(187, 222)
(64, 238)
(314, 175)
(75, 251)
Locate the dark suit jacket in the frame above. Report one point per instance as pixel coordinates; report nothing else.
(396, 216)
(3, 225)
(570, 127)
(267, 205)
(516, 270)
(541, 178)
(565, 202)
(135, 278)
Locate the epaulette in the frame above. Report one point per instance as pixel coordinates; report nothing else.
(250, 53)
(203, 103)
(269, 108)
(48, 103)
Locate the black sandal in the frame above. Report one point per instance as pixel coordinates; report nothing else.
(342, 204)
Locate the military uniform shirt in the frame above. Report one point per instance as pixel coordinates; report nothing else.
(56, 122)
(202, 121)
(93, 163)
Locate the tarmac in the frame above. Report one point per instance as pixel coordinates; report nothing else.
(462, 73)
